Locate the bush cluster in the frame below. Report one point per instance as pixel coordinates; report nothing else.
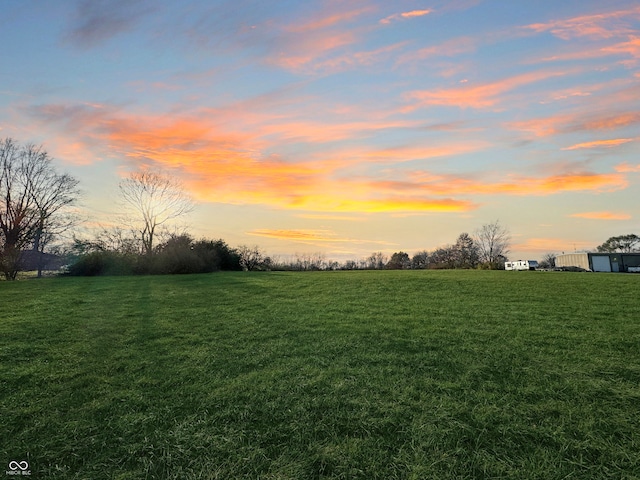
(179, 254)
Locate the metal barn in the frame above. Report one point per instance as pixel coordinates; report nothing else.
(601, 262)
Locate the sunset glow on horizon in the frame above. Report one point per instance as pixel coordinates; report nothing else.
(342, 127)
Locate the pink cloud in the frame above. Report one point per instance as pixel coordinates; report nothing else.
(600, 144)
(602, 216)
(567, 123)
(627, 168)
(449, 48)
(328, 20)
(629, 48)
(477, 96)
(598, 26)
(405, 15)
(357, 59)
(301, 45)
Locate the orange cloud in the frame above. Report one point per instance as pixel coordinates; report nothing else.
(403, 15)
(319, 238)
(299, 235)
(408, 153)
(517, 185)
(320, 216)
(575, 182)
(229, 166)
(323, 132)
(600, 144)
(627, 168)
(481, 96)
(602, 216)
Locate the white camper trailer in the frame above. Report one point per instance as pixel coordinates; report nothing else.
(521, 265)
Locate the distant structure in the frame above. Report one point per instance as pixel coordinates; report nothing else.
(601, 262)
(521, 265)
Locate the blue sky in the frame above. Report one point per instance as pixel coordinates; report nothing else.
(341, 127)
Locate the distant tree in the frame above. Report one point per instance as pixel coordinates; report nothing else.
(155, 199)
(420, 260)
(466, 252)
(376, 261)
(175, 255)
(251, 258)
(443, 257)
(399, 261)
(34, 201)
(228, 258)
(332, 265)
(309, 261)
(622, 243)
(548, 260)
(350, 265)
(117, 239)
(493, 242)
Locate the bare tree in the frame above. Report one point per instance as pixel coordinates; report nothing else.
(33, 202)
(493, 242)
(251, 258)
(548, 260)
(377, 261)
(309, 261)
(156, 199)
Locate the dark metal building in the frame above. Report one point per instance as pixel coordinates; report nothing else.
(601, 262)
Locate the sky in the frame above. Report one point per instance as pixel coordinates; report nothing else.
(341, 127)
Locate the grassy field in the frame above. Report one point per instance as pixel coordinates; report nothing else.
(341, 375)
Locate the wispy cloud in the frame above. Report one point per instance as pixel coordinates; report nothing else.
(627, 168)
(602, 216)
(614, 142)
(477, 96)
(518, 185)
(449, 48)
(628, 48)
(315, 237)
(96, 21)
(405, 15)
(326, 20)
(300, 45)
(597, 26)
(356, 59)
(567, 123)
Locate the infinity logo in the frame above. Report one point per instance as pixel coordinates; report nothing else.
(24, 465)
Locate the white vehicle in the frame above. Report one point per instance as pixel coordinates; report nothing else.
(521, 265)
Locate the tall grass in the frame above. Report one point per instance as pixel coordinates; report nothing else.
(342, 375)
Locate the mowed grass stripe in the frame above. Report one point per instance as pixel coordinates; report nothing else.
(412, 374)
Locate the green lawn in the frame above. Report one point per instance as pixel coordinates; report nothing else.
(350, 375)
